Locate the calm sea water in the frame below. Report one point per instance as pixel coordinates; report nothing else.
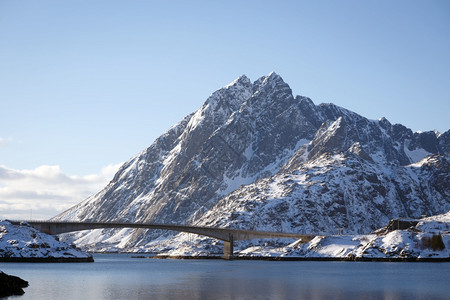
(118, 276)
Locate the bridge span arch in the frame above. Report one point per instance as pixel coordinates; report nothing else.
(227, 235)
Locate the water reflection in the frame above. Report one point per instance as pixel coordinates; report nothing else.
(122, 277)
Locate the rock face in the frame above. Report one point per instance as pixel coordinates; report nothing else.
(256, 157)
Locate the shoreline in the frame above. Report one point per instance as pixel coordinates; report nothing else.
(274, 258)
(47, 259)
(181, 257)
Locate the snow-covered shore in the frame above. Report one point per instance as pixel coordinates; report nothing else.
(24, 243)
(427, 240)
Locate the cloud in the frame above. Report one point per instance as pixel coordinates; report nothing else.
(45, 191)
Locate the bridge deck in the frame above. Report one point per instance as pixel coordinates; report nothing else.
(228, 235)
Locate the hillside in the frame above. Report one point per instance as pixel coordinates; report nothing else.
(21, 242)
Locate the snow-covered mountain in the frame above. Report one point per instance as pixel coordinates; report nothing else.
(256, 157)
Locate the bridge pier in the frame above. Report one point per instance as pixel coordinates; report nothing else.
(228, 248)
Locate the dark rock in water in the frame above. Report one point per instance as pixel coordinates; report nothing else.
(11, 285)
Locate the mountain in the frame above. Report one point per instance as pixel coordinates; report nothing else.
(256, 157)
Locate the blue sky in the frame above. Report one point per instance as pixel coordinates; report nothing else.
(85, 85)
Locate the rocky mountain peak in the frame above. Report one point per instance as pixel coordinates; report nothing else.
(273, 83)
(255, 157)
(240, 81)
(231, 96)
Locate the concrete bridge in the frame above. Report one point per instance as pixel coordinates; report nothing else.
(227, 235)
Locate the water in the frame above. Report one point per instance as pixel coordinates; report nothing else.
(118, 276)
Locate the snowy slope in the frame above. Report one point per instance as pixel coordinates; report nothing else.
(256, 157)
(407, 243)
(23, 241)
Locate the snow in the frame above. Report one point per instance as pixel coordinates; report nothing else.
(421, 162)
(437, 133)
(416, 154)
(332, 246)
(172, 154)
(398, 244)
(23, 241)
(394, 244)
(232, 184)
(197, 118)
(235, 182)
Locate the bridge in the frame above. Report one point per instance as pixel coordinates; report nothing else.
(227, 235)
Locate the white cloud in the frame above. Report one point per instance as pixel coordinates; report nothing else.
(45, 191)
